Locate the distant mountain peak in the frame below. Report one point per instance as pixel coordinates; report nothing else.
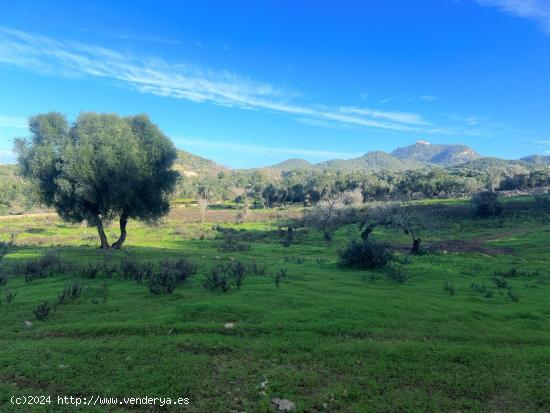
(439, 154)
(292, 165)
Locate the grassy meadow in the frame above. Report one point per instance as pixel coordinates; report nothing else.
(465, 326)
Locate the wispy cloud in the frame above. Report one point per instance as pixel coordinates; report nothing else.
(185, 81)
(428, 98)
(537, 10)
(264, 150)
(135, 37)
(399, 117)
(542, 142)
(13, 122)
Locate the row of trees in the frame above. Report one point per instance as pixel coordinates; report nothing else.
(308, 187)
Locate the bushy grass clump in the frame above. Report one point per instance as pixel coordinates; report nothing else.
(364, 254)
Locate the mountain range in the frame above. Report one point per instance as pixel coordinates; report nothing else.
(416, 156)
(419, 155)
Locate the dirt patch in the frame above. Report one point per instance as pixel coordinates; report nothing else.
(468, 246)
(471, 245)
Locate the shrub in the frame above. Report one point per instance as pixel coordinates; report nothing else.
(42, 267)
(510, 296)
(144, 271)
(130, 269)
(217, 279)
(222, 277)
(236, 272)
(171, 273)
(514, 272)
(542, 202)
(279, 276)
(449, 288)
(91, 271)
(232, 240)
(183, 268)
(395, 273)
(500, 282)
(295, 260)
(70, 293)
(42, 311)
(257, 269)
(10, 296)
(3, 279)
(164, 281)
(364, 254)
(482, 290)
(102, 293)
(109, 270)
(486, 204)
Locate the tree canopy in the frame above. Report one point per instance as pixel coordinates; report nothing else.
(101, 167)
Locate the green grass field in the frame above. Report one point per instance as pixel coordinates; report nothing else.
(328, 339)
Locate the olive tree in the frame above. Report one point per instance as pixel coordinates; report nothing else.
(403, 218)
(100, 168)
(328, 214)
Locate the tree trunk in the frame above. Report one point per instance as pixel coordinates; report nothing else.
(366, 232)
(416, 246)
(102, 236)
(123, 221)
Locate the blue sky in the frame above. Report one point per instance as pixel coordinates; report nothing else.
(250, 83)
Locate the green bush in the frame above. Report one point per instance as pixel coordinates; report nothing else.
(395, 273)
(130, 269)
(486, 204)
(236, 272)
(10, 296)
(217, 279)
(70, 293)
(224, 276)
(481, 289)
(91, 271)
(542, 202)
(170, 274)
(182, 267)
(257, 269)
(279, 276)
(163, 281)
(42, 311)
(449, 288)
(42, 267)
(364, 254)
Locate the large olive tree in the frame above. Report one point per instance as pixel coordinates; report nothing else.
(100, 168)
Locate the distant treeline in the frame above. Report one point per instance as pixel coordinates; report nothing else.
(267, 188)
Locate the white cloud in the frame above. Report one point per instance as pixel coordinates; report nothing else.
(399, 117)
(13, 122)
(537, 10)
(428, 98)
(49, 56)
(264, 150)
(141, 38)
